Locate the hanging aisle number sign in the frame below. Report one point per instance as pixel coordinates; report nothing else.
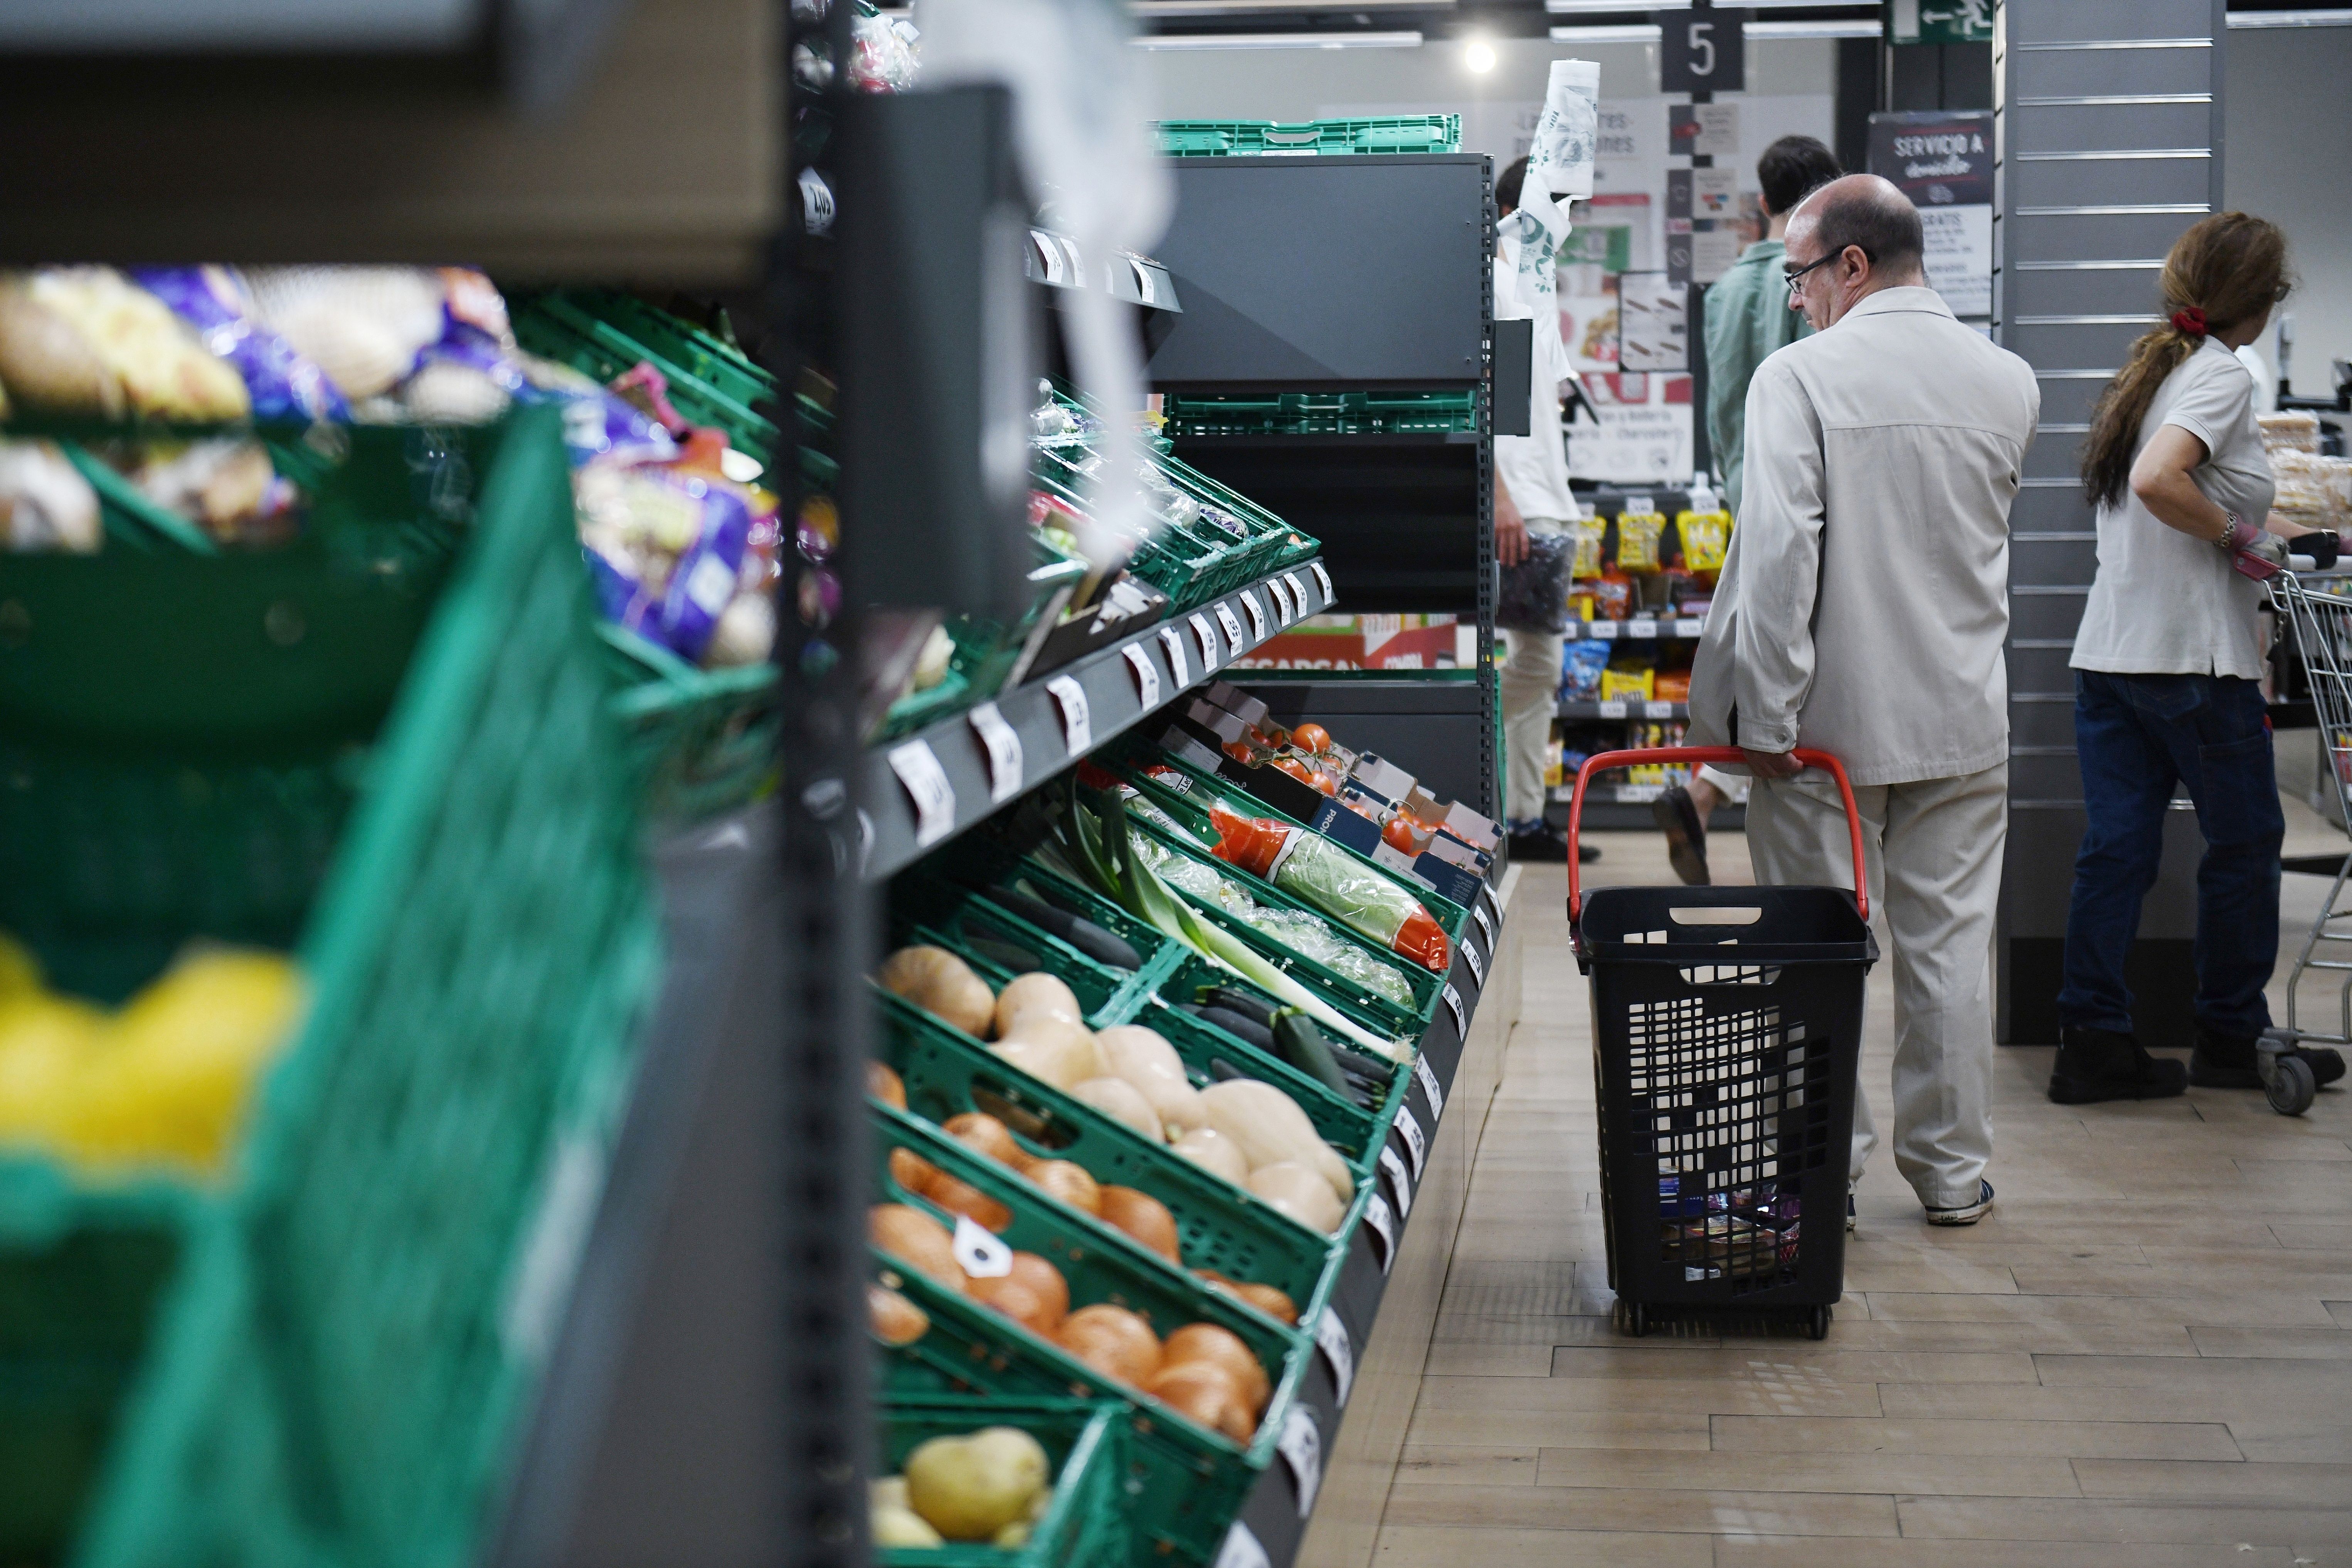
(1077, 724)
(1207, 641)
(1171, 643)
(917, 767)
(1147, 678)
(1003, 748)
(1701, 50)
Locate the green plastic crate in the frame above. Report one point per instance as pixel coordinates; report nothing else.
(1185, 1480)
(1085, 1525)
(336, 1369)
(1323, 413)
(1249, 138)
(703, 741)
(1219, 1226)
(601, 333)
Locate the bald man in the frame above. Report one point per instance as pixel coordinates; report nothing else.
(1862, 611)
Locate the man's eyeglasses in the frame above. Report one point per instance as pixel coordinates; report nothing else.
(1795, 277)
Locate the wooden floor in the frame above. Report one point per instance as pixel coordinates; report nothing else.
(2143, 1357)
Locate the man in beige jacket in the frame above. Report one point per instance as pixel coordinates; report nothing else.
(1862, 611)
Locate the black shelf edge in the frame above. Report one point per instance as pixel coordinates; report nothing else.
(1114, 701)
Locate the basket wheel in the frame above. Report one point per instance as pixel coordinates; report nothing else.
(1637, 1319)
(2291, 1086)
(1817, 1322)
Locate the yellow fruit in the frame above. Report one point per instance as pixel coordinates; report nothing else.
(45, 1042)
(969, 1488)
(902, 1527)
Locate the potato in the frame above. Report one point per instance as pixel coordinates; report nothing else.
(941, 984)
(1038, 993)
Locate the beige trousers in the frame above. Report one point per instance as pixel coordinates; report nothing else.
(1530, 692)
(1933, 849)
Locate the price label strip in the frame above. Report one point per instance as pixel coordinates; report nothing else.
(1614, 708)
(1207, 641)
(1477, 970)
(1324, 579)
(917, 767)
(1256, 616)
(1381, 1223)
(1301, 1447)
(1657, 709)
(1147, 677)
(1400, 1184)
(1331, 1338)
(1478, 914)
(1242, 1550)
(1172, 644)
(1416, 1147)
(1429, 1086)
(1077, 724)
(1232, 630)
(982, 1252)
(1453, 999)
(1638, 630)
(1003, 749)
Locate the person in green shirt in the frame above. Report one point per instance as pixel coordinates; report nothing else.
(1748, 313)
(1748, 319)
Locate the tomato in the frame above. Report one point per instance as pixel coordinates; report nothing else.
(1311, 738)
(1400, 836)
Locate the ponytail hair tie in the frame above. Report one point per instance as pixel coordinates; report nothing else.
(2190, 321)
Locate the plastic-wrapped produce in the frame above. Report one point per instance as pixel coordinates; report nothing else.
(1316, 871)
(1303, 933)
(211, 300)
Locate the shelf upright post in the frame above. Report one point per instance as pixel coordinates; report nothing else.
(1490, 690)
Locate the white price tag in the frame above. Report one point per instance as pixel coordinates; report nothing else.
(1421, 1069)
(1657, 709)
(1331, 1338)
(1477, 970)
(1242, 1550)
(1641, 629)
(1381, 1222)
(1454, 1006)
(1689, 625)
(1003, 748)
(1416, 1146)
(1301, 1447)
(1077, 262)
(1297, 591)
(1077, 724)
(1323, 577)
(1144, 288)
(1614, 709)
(1486, 896)
(864, 844)
(1172, 645)
(1207, 641)
(1147, 678)
(1601, 631)
(1478, 914)
(1284, 610)
(1050, 255)
(1256, 616)
(1232, 630)
(1399, 1184)
(981, 1253)
(917, 767)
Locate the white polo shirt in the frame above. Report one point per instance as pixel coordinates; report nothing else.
(2166, 603)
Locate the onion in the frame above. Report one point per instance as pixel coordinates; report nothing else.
(885, 1084)
(913, 1173)
(1142, 1217)
(1113, 1340)
(1015, 1300)
(1270, 1300)
(1204, 1393)
(1046, 1282)
(963, 1198)
(894, 1320)
(916, 1240)
(1226, 1350)
(984, 1134)
(940, 983)
(1069, 1183)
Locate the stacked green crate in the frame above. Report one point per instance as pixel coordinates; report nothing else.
(1259, 138)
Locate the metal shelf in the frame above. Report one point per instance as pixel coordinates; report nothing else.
(1623, 708)
(1113, 692)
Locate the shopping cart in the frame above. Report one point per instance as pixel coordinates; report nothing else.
(2317, 609)
(1726, 1024)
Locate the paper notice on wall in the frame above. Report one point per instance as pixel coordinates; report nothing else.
(1714, 193)
(1637, 443)
(1960, 256)
(1714, 249)
(1654, 322)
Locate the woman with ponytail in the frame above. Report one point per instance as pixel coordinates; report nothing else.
(2168, 667)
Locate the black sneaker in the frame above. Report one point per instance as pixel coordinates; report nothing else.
(2093, 1065)
(2223, 1061)
(1677, 818)
(1541, 844)
(1968, 1214)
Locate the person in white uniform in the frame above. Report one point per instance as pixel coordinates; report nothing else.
(1531, 497)
(2168, 676)
(1862, 611)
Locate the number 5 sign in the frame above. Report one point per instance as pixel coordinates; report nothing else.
(1701, 50)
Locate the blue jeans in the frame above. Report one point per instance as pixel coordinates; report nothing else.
(2135, 735)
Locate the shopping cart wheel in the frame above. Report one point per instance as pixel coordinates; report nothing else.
(1637, 1319)
(1817, 1322)
(2291, 1086)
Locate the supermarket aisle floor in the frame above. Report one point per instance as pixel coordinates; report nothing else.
(2142, 1358)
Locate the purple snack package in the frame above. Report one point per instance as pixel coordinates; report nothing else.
(281, 383)
(705, 578)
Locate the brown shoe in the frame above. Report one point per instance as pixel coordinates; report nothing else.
(1677, 818)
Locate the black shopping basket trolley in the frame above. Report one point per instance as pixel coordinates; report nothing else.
(1727, 1023)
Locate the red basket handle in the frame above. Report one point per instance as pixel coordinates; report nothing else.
(1695, 755)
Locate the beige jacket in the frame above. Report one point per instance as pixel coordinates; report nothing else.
(1863, 603)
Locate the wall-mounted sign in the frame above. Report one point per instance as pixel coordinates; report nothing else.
(1943, 161)
(1939, 21)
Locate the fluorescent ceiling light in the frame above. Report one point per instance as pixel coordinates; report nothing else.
(1611, 33)
(1809, 5)
(1861, 27)
(1165, 10)
(1580, 7)
(2336, 18)
(1280, 41)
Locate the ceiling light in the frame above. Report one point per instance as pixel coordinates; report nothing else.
(1280, 41)
(1479, 56)
(1176, 10)
(2334, 18)
(1861, 27)
(1585, 8)
(1608, 33)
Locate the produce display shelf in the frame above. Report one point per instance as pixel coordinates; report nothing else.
(1624, 707)
(1041, 728)
(1662, 628)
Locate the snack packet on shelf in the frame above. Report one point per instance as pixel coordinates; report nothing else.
(44, 503)
(281, 383)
